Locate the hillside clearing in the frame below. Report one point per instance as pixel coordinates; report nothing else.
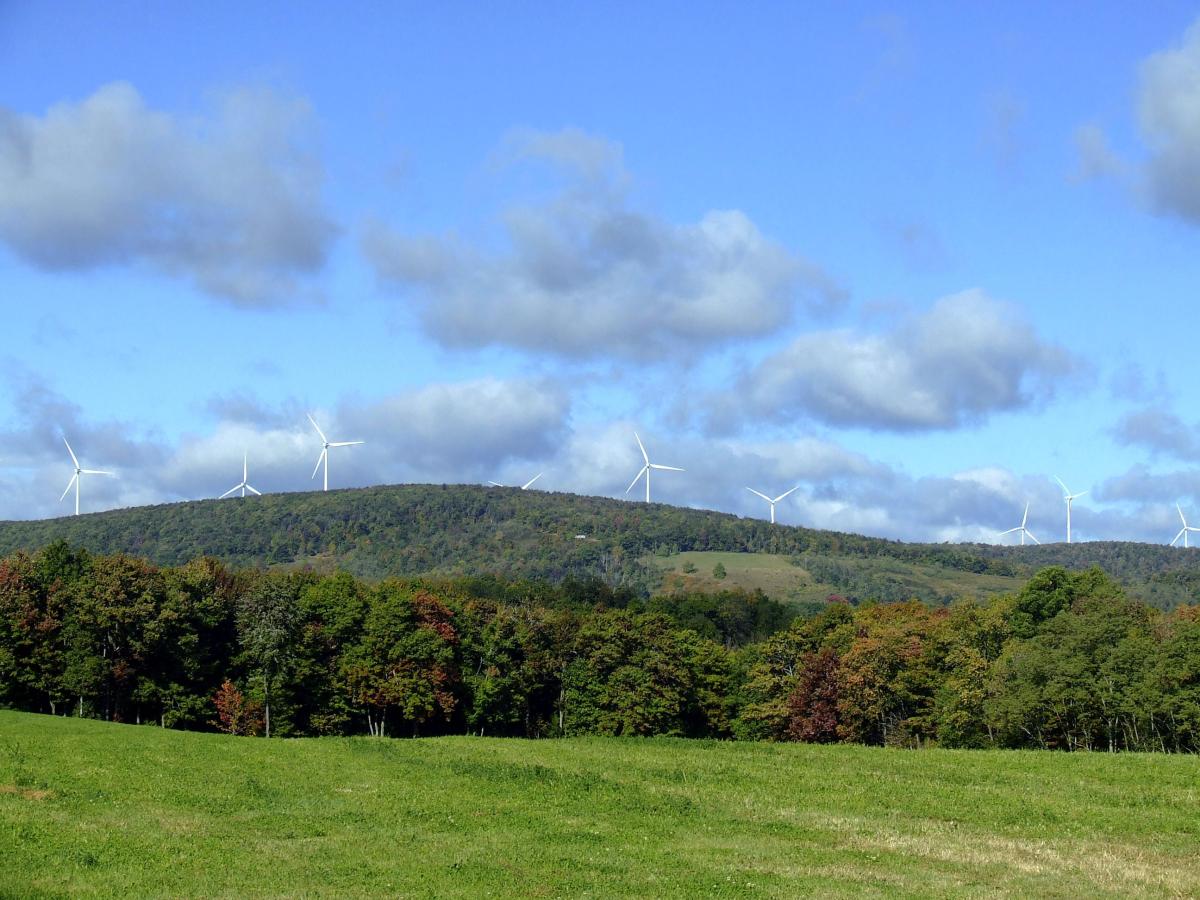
(812, 578)
(88, 807)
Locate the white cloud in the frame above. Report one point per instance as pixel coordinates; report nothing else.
(966, 358)
(1169, 113)
(585, 274)
(230, 202)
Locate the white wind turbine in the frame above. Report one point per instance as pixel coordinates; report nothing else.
(1021, 528)
(769, 500)
(645, 470)
(1069, 497)
(1185, 530)
(325, 445)
(245, 485)
(75, 479)
(524, 487)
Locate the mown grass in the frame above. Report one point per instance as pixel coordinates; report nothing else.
(97, 809)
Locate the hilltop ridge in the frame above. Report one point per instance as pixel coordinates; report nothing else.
(420, 529)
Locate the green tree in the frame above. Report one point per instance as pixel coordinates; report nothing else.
(406, 661)
(637, 675)
(268, 621)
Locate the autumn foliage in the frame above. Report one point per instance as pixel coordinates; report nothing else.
(1068, 662)
(236, 714)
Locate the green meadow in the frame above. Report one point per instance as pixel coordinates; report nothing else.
(96, 809)
(788, 579)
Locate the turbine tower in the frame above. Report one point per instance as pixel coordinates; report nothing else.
(769, 500)
(245, 485)
(1185, 530)
(325, 445)
(1069, 497)
(645, 470)
(1021, 528)
(76, 478)
(524, 487)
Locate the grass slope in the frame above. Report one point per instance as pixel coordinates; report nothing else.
(467, 529)
(811, 579)
(109, 810)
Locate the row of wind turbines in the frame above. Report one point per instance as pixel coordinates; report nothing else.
(647, 467)
(243, 486)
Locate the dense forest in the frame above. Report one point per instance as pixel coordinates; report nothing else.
(1067, 662)
(446, 530)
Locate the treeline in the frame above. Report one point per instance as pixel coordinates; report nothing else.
(408, 530)
(1068, 662)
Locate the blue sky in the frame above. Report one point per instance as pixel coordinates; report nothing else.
(917, 262)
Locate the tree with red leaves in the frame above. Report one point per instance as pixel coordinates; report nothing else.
(236, 714)
(813, 705)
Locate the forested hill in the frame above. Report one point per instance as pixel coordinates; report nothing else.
(467, 529)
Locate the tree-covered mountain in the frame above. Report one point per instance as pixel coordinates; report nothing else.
(467, 529)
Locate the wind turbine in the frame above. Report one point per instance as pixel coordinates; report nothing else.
(1021, 528)
(769, 500)
(325, 445)
(245, 485)
(1183, 532)
(646, 469)
(524, 487)
(1068, 496)
(75, 479)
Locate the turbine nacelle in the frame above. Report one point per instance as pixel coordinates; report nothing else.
(245, 483)
(76, 477)
(771, 500)
(325, 445)
(1185, 530)
(645, 469)
(1025, 532)
(1070, 498)
(524, 487)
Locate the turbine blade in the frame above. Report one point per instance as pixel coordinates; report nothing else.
(317, 467)
(93, 472)
(70, 484)
(1182, 531)
(784, 494)
(668, 468)
(645, 455)
(1025, 518)
(1010, 531)
(253, 491)
(72, 452)
(760, 494)
(1066, 490)
(346, 443)
(496, 483)
(324, 439)
(1181, 518)
(645, 468)
(228, 492)
(1080, 494)
(1029, 535)
(526, 485)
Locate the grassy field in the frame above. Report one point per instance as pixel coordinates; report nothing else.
(779, 578)
(99, 809)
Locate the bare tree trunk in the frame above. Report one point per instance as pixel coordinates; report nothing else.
(267, 700)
